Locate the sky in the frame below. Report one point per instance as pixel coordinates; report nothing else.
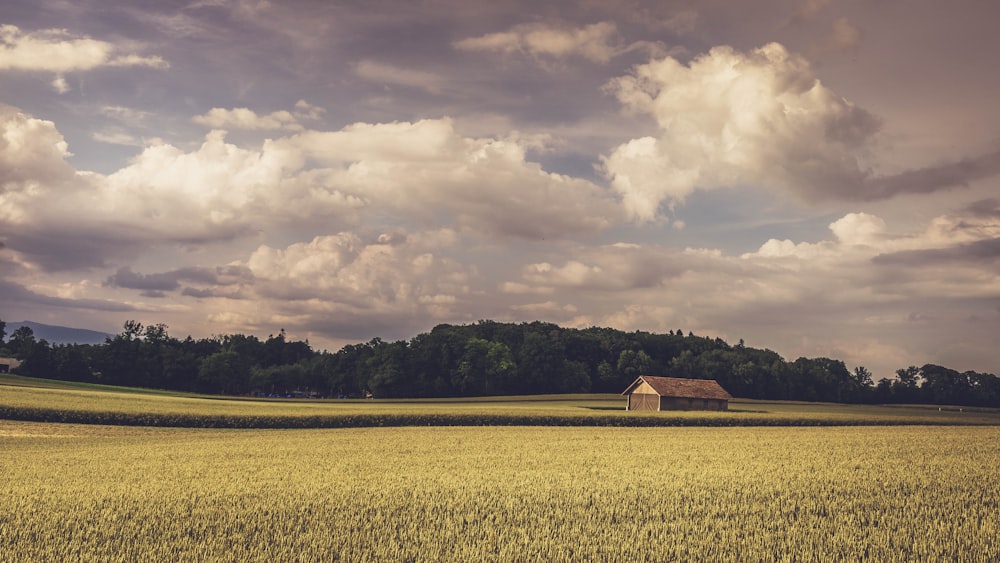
(816, 177)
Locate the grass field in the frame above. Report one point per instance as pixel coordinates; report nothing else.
(50, 401)
(90, 492)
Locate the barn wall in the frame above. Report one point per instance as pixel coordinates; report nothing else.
(685, 404)
(675, 404)
(642, 401)
(645, 389)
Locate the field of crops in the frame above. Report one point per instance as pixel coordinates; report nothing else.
(90, 492)
(36, 400)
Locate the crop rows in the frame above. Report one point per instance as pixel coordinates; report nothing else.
(528, 494)
(130, 409)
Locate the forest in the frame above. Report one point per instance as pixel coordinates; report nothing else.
(485, 358)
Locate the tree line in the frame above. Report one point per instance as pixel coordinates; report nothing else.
(479, 359)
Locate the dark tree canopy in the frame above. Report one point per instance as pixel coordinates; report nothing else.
(479, 359)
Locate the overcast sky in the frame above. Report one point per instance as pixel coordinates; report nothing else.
(818, 177)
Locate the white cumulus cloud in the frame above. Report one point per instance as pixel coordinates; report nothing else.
(408, 175)
(425, 170)
(343, 273)
(32, 156)
(729, 118)
(248, 119)
(57, 50)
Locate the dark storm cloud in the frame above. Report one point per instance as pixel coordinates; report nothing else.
(155, 284)
(979, 252)
(984, 208)
(14, 293)
(54, 251)
(934, 178)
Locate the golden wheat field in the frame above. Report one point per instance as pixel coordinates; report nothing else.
(102, 493)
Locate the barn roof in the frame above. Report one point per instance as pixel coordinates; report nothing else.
(681, 387)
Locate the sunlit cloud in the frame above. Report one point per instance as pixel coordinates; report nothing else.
(597, 43)
(59, 51)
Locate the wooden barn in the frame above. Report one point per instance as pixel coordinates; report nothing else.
(8, 364)
(651, 393)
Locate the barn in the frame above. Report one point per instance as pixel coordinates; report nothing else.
(652, 393)
(8, 364)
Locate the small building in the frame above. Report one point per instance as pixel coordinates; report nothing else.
(8, 364)
(652, 393)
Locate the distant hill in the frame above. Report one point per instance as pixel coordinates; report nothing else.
(60, 334)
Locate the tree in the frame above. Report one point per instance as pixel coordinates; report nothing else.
(631, 364)
(131, 330)
(120, 361)
(944, 386)
(863, 385)
(575, 378)
(3, 330)
(21, 342)
(156, 333)
(862, 377)
(608, 377)
(883, 390)
(224, 372)
(905, 389)
(540, 363)
(485, 368)
(821, 379)
(684, 364)
(985, 389)
(71, 363)
(387, 368)
(38, 360)
(907, 377)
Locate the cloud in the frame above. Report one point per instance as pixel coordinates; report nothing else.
(969, 235)
(116, 136)
(427, 172)
(385, 73)
(845, 35)
(597, 43)
(345, 277)
(759, 118)
(164, 196)
(806, 11)
(15, 294)
(171, 280)
(729, 119)
(245, 118)
(858, 228)
(58, 51)
(859, 289)
(400, 174)
(32, 154)
(934, 178)
(616, 267)
(985, 208)
(681, 23)
(979, 252)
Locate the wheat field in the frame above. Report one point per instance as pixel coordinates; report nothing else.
(102, 493)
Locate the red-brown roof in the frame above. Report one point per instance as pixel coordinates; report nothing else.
(681, 387)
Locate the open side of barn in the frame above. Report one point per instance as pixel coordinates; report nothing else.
(8, 364)
(654, 393)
